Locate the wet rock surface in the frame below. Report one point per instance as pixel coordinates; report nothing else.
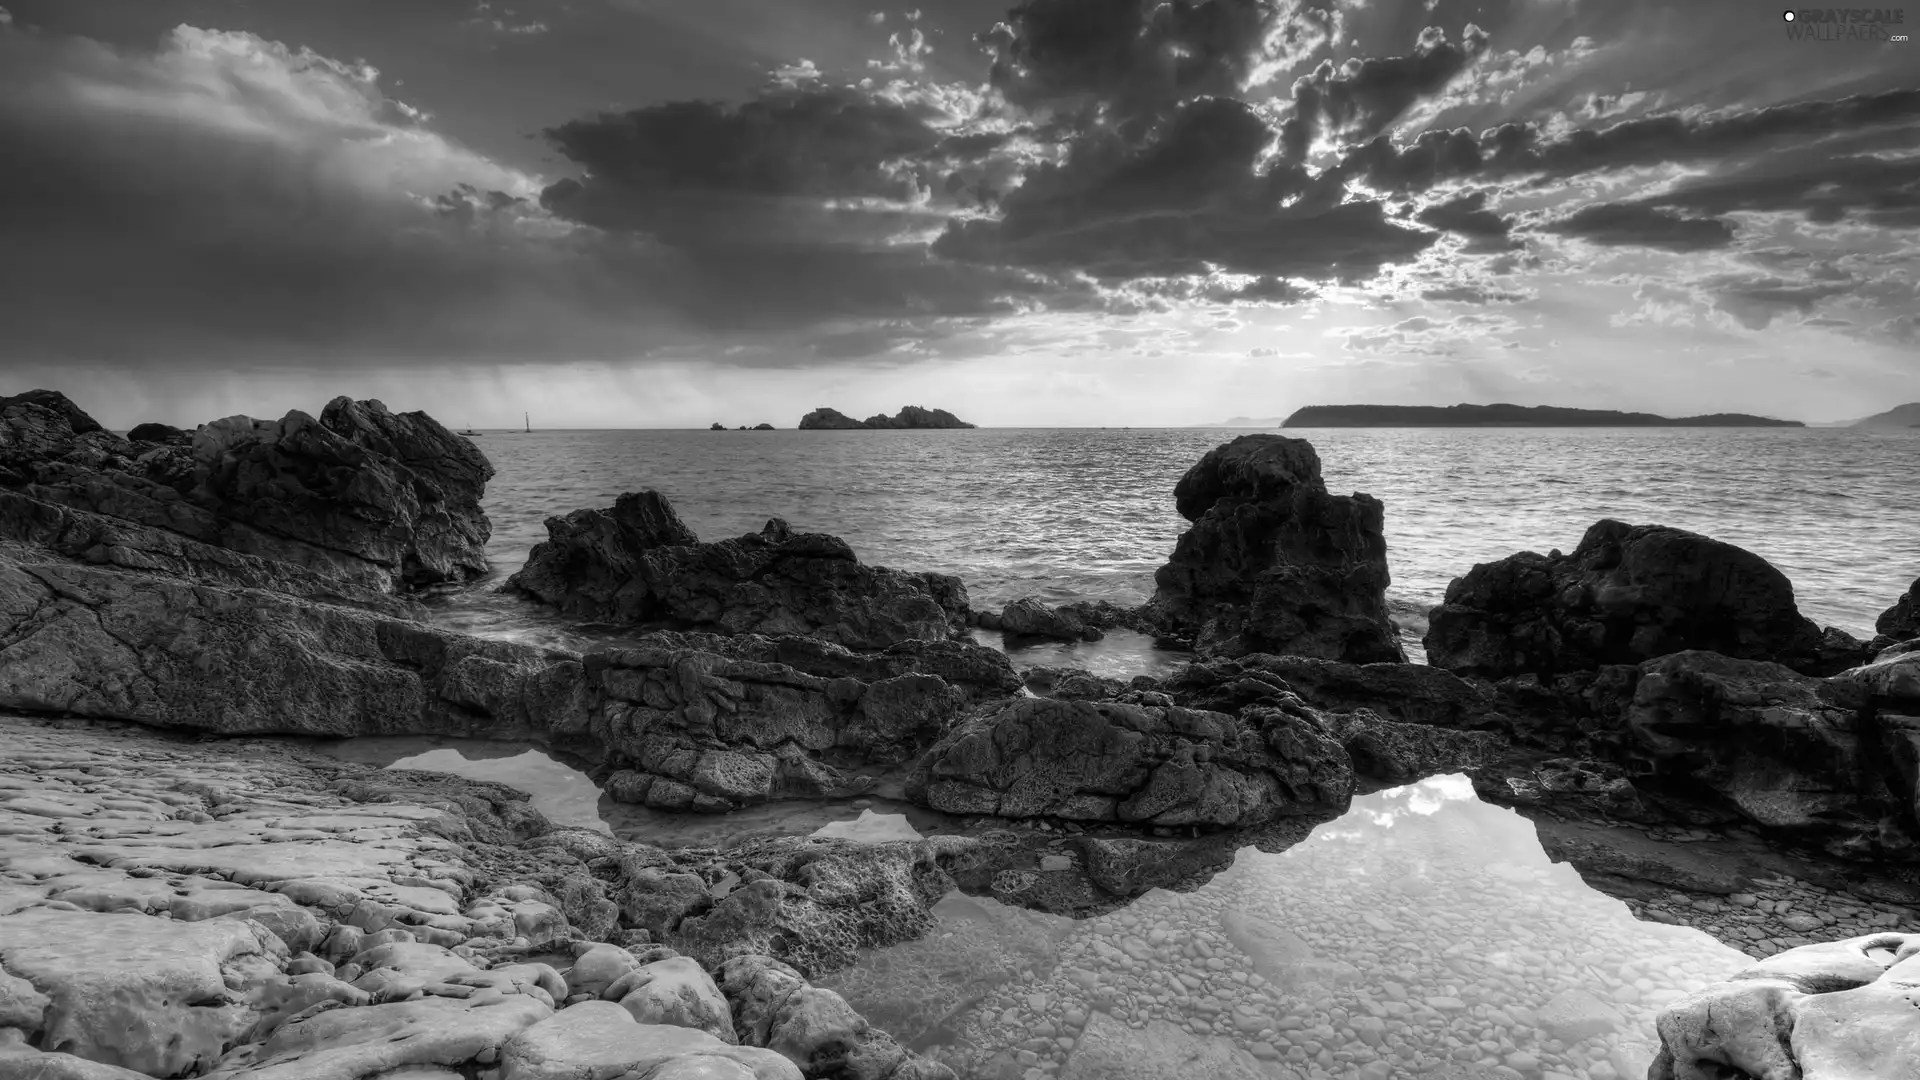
(1273, 562)
(1901, 622)
(1627, 594)
(636, 563)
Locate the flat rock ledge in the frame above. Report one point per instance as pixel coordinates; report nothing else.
(242, 909)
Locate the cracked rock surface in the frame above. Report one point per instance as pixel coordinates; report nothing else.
(244, 909)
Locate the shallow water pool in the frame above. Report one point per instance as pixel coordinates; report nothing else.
(1423, 934)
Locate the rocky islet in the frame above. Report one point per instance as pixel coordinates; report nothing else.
(149, 579)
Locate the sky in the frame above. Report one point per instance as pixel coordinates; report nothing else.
(664, 213)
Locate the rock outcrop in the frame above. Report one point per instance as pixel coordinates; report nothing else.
(247, 911)
(635, 563)
(97, 642)
(1627, 594)
(911, 416)
(1029, 617)
(1838, 1010)
(1273, 563)
(367, 497)
(1138, 765)
(1901, 622)
(706, 723)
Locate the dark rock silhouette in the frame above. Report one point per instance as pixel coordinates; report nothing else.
(371, 498)
(1273, 563)
(717, 427)
(636, 563)
(1901, 622)
(1627, 594)
(159, 433)
(911, 416)
(763, 427)
(1509, 416)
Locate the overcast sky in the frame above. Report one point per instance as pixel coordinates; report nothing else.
(637, 213)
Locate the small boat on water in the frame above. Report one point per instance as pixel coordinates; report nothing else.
(470, 433)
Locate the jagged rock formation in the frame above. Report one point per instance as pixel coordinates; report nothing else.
(1273, 563)
(245, 911)
(1141, 765)
(1837, 1010)
(1627, 594)
(367, 497)
(911, 416)
(636, 563)
(706, 723)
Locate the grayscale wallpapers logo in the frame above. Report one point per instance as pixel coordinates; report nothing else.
(1846, 24)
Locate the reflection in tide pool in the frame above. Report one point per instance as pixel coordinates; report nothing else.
(1424, 934)
(561, 792)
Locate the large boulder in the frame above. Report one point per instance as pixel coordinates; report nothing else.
(636, 563)
(1804, 757)
(361, 495)
(1137, 765)
(1273, 562)
(1901, 622)
(1626, 594)
(708, 723)
(1838, 1010)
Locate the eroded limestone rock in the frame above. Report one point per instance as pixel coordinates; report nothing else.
(1838, 1010)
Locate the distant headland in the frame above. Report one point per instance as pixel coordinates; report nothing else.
(912, 416)
(1900, 416)
(1502, 415)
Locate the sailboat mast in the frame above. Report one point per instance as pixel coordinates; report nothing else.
(528, 417)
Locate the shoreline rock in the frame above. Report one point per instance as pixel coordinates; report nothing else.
(636, 563)
(373, 499)
(1273, 562)
(1627, 594)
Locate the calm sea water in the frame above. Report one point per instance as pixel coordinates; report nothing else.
(1072, 514)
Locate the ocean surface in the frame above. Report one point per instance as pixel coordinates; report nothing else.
(1087, 514)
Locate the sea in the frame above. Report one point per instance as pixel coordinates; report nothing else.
(1087, 513)
(1424, 934)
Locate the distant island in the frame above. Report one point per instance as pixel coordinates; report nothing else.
(912, 416)
(1900, 416)
(1503, 415)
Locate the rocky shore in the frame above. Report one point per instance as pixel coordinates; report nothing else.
(202, 895)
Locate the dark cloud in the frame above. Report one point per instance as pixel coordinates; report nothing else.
(1824, 189)
(1473, 294)
(1516, 149)
(811, 140)
(1468, 216)
(1133, 57)
(1756, 302)
(1643, 226)
(1189, 201)
(1361, 97)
